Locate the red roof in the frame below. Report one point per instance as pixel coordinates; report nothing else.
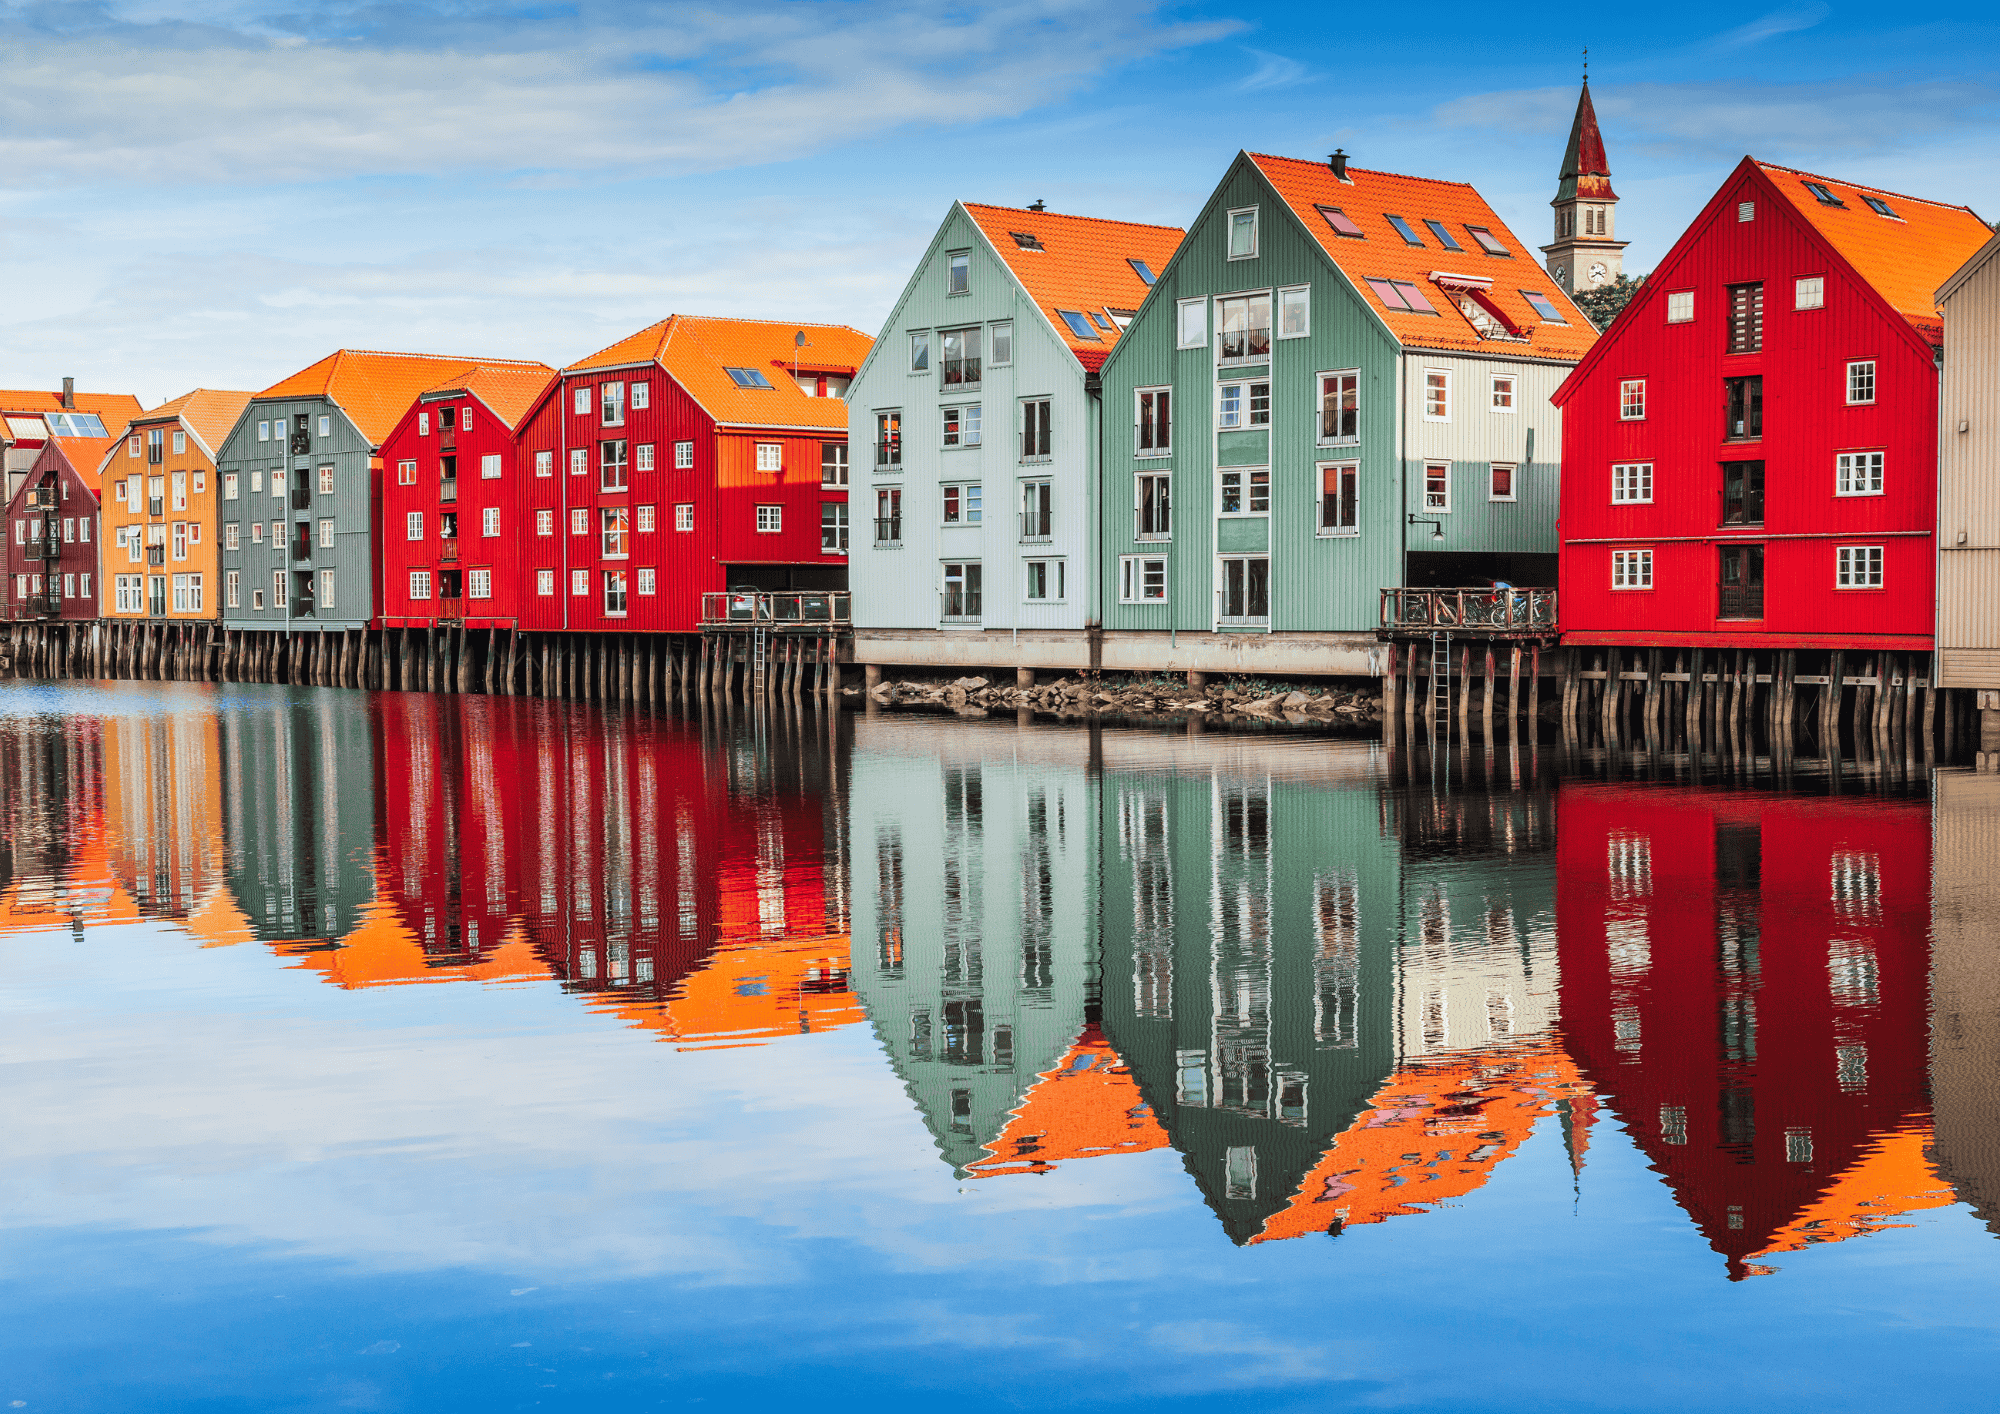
(1079, 264)
(698, 350)
(1381, 257)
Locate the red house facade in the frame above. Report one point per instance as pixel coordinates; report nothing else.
(697, 455)
(456, 529)
(1750, 451)
(52, 532)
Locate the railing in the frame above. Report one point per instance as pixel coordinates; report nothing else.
(302, 547)
(1504, 610)
(448, 490)
(300, 609)
(302, 498)
(43, 498)
(889, 453)
(1740, 603)
(44, 605)
(35, 551)
(1037, 525)
(448, 550)
(959, 606)
(790, 606)
(451, 606)
(156, 554)
(889, 530)
(961, 372)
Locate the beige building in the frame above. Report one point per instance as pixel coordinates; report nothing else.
(1968, 583)
(1965, 988)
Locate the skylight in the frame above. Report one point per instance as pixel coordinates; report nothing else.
(747, 378)
(76, 424)
(27, 427)
(1880, 207)
(1444, 237)
(1342, 222)
(1103, 321)
(1544, 307)
(1401, 296)
(1488, 242)
(1121, 317)
(1409, 236)
(1079, 326)
(1141, 269)
(1822, 195)
(1026, 241)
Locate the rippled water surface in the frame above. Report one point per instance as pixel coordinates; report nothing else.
(413, 1053)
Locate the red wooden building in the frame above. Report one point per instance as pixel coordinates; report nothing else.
(52, 526)
(697, 455)
(1750, 451)
(456, 530)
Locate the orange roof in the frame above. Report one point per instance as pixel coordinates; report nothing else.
(116, 409)
(209, 412)
(86, 454)
(1905, 258)
(1369, 199)
(1085, 1107)
(1437, 1130)
(376, 389)
(1083, 266)
(1892, 1177)
(509, 390)
(745, 994)
(696, 349)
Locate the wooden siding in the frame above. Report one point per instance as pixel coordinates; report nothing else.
(1968, 590)
(900, 587)
(1965, 980)
(350, 507)
(1472, 441)
(122, 510)
(80, 561)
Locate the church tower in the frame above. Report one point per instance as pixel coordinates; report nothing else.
(1584, 256)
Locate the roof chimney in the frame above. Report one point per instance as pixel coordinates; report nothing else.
(69, 393)
(1338, 162)
(1038, 205)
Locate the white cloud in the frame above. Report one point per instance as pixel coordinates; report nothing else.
(1273, 71)
(1769, 26)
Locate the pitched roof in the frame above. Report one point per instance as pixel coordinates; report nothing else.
(1078, 263)
(1085, 1106)
(507, 389)
(116, 409)
(1585, 172)
(697, 349)
(1905, 257)
(210, 412)
(1380, 253)
(375, 389)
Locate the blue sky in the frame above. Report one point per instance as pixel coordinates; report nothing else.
(219, 195)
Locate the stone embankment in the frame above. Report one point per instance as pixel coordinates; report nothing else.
(1253, 701)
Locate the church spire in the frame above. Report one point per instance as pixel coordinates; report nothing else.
(1586, 253)
(1585, 171)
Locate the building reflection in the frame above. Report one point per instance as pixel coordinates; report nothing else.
(1965, 988)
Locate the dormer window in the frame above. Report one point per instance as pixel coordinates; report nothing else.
(1880, 207)
(1544, 306)
(1444, 237)
(748, 378)
(1026, 241)
(1121, 319)
(1488, 242)
(1823, 195)
(1142, 270)
(1342, 223)
(1409, 236)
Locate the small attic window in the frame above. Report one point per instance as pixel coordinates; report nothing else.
(1444, 237)
(1409, 236)
(1026, 241)
(1401, 296)
(1880, 207)
(1121, 318)
(747, 378)
(1103, 321)
(1141, 269)
(1823, 196)
(1342, 223)
(1488, 242)
(1079, 326)
(1544, 307)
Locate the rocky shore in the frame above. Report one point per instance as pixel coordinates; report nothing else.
(1239, 700)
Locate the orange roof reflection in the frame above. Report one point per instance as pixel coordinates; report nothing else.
(1893, 1177)
(1084, 1107)
(383, 951)
(1436, 1131)
(747, 993)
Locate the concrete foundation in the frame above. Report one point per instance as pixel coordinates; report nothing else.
(1069, 650)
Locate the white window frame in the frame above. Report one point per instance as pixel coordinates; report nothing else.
(683, 456)
(582, 403)
(1513, 483)
(643, 521)
(545, 584)
(1871, 478)
(1132, 575)
(579, 584)
(489, 521)
(1185, 311)
(232, 589)
(1631, 570)
(1680, 306)
(771, 456)
(920, 351)
(1139, 531)
(1631, 396)
(413, 525)
(1809, 292)
(280, 589)
(1320, 381)
(489, 467)
(1512, 394)
(327, 581)
(1245, 410)
(326, 532)
(1320, 528)
(961, 425)
(1229, 233)
(1439, 507)
(1000, 336)
(1869, 558)
(644, 581)
(624, 594)
(1048, 562)
(770, 519)
(579, 520)
(1139, 397)
(545, 521)
(958, 272)
(611, 403)
(1248, 490)
(231, 539)
(643, 457)
(684, 518)
(1444, 386)
(545, 463)
(479, 584)
(1853, 367)
(325, 425)
(1631, 483)
(840, 524)
(1303, 293)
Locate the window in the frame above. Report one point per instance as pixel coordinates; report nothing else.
(641, 395)
(1631, 569)
(770, 520)
(1745, 399)
(257, 532)
(611, 464)
(579, 520)
(1743, 493)
(920, 350)
(545, 463)
(1437, 395)
(1437, 486)
(1295, 312)
(423, 424)
(1044, 579)
(1340, 406)
(1746, 318)
(1809, 292)
(1244, 491)
(1142, 270)
(413, 526)
(1544, 306)
(1079, 327)
(1861, 382)
(1859, 474)
(1154, 422)
(1034, 429)
(1746, 211)
(1500, 482)
(833, 527)
(962, 585)
(1858, 567)
(614, 593)
(1880, 207)
(478, 584)
(1401, 296)
(961, 352)
(1192, 323)
(961, 426)
(646, 581)
(118, 492)
(1037, 510)
(1740, 584)
(683, 456)
(579, 584)
(1340, 498)
(611, 404)
(326, 583)
(958, 272)
(187, 593)
(277, 483)
(545, 582)
(1142, 579)
(833, 463)
(128, 593)
(1243, 234)
(1342, 223)
(1245, 322)
(545, 522)
(1402, 228)
(1488, 242)
(751, 378)
(1246, 590)
(771, 456)
(1241, 405)
(963, 505)
(579, 461)
(201, 482)
(1632, 400)
(156, 445)
(1822, 194)
(180, 490)
(230, 532)
(1632, 483)
(277, 533)
(582, 402)
(888, 515)
(1444, 237)
(325, 426)
(326, 532)
(684, 517)
(232, 589)
(489, 469)
(1003, 343)
(645, 518)
(230, 484)
(489, 521)
(279, 580)
(1153, 506)
(263, 435)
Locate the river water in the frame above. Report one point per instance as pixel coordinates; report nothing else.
(400, 1052)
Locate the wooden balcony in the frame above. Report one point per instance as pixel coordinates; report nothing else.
(795, 610)
(1472, 613)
